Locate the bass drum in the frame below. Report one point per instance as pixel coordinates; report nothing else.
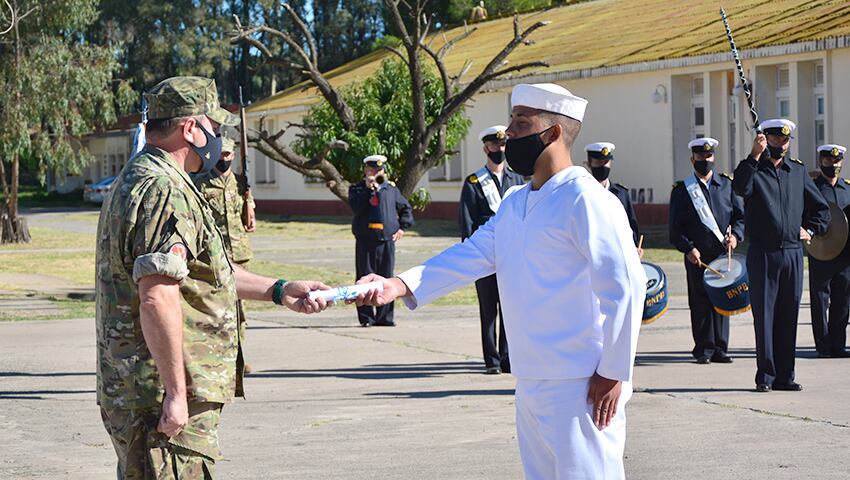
(730, 293)
(655, 304)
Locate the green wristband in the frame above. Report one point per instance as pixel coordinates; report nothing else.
(277, 291)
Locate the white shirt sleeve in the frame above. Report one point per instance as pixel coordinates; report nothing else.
(458, 265)
(601, 233)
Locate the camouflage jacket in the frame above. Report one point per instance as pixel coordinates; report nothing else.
(226, 201)
(156, 222)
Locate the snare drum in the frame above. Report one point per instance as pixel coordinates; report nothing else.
(730, 294)
(656, 293)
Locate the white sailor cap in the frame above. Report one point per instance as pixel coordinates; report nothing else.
(497, 132)
(703, 145)
(832, 150)
(550, 98)
(600, 150)
(380, 160)
(778, 126)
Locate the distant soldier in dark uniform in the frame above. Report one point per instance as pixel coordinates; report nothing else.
(600, 155)
(829, 282)
(782, 206)
(479, 200)
(702, 208)
(381, 215)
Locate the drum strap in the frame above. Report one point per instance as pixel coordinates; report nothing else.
(701, 206)
(491, 193)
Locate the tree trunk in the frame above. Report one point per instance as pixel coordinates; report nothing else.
(13, 229)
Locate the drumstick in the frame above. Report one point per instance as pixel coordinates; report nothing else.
(711, 269)
(640, 242)
(729, 248)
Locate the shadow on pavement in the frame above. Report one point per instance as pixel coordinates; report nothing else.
(37, 394)
(692, 390)
(379, 371)
(46, 374)
(441, 393)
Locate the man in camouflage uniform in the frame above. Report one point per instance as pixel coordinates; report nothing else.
(226, 199)
(167, 339)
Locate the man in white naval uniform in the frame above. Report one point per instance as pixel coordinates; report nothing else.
(573, 293)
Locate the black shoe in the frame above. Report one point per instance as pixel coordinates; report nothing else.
(367, 324)
(762, 387)
(704, 360)
(788, 387)
(843, 354)
(493, 371)
(385, 324)
(721, 358)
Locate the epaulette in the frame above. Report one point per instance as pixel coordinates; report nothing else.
(727, 176)
(847, 181)
(677, 183)
(391, 183)
(621, 186)
(473, 178)
(796, 161)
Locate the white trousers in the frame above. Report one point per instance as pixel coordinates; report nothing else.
(557, 437)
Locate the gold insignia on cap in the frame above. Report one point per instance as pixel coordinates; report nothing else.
(604, 151)
(835, 152)
(786, 130)
(706, 146)
(501, 135)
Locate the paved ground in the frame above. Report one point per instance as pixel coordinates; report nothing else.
(334, 401)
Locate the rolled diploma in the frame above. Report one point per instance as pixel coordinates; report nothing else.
(346, 293)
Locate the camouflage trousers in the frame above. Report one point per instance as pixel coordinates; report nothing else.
(145, 454)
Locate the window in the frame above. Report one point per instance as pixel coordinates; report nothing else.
(784, 108)
(783, 94)
(733, 127)
(819, 90)
(819, 74)
(697, 106)
(113, 165)
(697, 86)
(264, 168)
(783, 78)
(699, 116)
(449, 171)
(641, 195)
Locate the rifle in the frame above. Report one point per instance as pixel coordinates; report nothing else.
(248, 215)
(741, 76)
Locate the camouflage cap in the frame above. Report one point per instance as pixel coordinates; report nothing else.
(227, 145)
(185, 97)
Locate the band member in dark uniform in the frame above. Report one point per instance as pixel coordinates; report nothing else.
(600, 156)
(479, 200)
(782, 206)
(702, 208)
(829, 282)
(381, 215)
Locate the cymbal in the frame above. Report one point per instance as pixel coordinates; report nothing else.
(827, 246)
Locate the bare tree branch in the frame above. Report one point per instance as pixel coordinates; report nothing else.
(398, 22)
(395, 51)
(310, 40)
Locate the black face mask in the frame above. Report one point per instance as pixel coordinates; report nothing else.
(210, 153)
(496, 157)
(223, 165)
(522, 153)
(776, 152)
(830, 171)
(600, 173)
(702, 167)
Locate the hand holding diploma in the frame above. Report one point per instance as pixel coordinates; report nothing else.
(379, 290)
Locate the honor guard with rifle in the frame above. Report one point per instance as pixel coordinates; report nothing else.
(782, 206)
(829, 277)
(480, 199)
(600, 157)
(224, 194)
(381, 215)
(706, 218)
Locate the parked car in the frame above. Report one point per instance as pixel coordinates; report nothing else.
(97, 191)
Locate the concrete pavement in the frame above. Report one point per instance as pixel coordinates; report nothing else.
(330, 400)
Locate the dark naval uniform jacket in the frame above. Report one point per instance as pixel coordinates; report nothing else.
(380, 217)
(839, 195)
(686, 228)
(622, 193)
(474, 209)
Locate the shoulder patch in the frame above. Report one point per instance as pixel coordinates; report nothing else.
(621, 186)
(391, 183)
(847, 181)
(178, 249)
(796, 161)
(677, 183)
(473, 178)
(727, 176)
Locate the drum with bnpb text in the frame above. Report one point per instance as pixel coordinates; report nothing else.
(656, 293)
(729, 292)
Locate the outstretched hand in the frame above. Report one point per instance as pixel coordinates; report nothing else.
(393, 288)
(295, 296)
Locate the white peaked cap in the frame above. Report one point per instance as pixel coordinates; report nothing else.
(834, 150)
(549, 97)
(599, 147)
(375, 158)
(778, 123)
(494, 130)
(701, 142)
